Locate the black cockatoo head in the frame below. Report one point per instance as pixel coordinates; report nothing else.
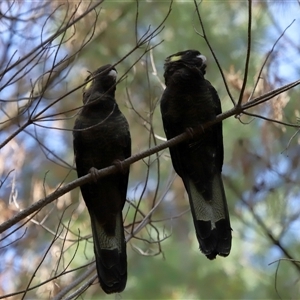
(102, 81)
(192, 59)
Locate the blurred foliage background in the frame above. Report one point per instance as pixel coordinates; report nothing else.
(48, 49)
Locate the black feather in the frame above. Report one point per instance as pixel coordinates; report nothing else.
(101, 137)
(188, 101)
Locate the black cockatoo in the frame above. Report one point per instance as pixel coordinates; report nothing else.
(102, 138)
(188, 101)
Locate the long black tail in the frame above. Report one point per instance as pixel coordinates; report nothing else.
(111, 257)
(211, 218)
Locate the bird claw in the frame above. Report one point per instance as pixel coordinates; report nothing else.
(119, 164)
(190, 132)
(202, 129)
(94, 172)
(194, 133)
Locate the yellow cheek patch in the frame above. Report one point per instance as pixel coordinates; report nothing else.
(175, 58)
(88, 85)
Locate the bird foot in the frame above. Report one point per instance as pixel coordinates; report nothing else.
(194, 133)
(190, 132)
(119, 164)
(94, 172)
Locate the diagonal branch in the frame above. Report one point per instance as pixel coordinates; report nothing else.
(127, 162)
